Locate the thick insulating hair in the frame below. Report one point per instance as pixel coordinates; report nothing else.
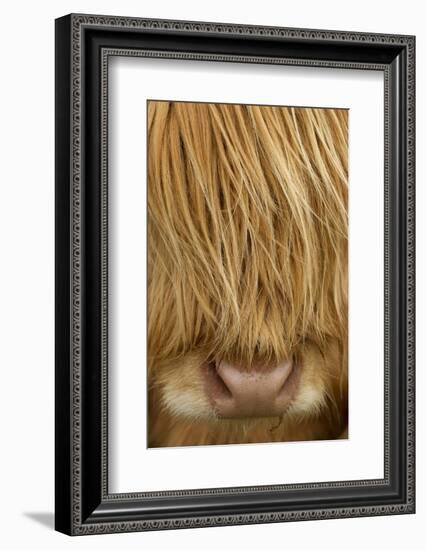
(248, 229)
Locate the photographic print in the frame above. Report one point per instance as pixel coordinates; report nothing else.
(247, 273)
(230, 290)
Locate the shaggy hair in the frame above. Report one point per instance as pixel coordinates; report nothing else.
(247, 262)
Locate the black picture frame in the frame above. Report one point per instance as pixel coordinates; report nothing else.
(83, 46)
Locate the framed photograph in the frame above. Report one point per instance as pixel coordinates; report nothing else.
(234, 274)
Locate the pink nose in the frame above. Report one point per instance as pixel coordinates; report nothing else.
(259, 392)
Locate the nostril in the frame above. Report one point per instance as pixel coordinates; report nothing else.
(283, 377)
(216, 386)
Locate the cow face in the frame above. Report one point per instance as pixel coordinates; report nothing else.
(247, 273)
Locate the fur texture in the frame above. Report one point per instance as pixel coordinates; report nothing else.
(248, 263)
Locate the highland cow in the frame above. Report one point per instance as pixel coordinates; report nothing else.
(247, 273)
